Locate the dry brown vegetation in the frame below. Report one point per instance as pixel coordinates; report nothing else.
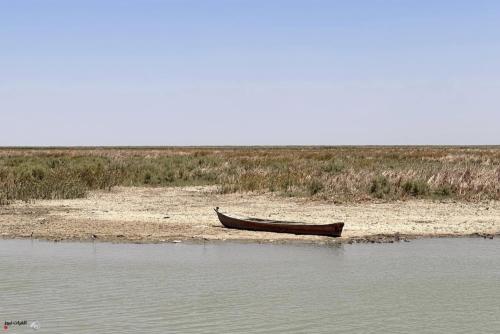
(342, 174)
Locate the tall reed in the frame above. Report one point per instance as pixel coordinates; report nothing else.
(334, 173)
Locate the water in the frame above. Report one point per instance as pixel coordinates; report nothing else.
(426, 286)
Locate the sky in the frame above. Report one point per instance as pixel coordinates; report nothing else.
(235, 72)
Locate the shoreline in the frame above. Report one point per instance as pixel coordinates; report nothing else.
(374, 239)
(144, 215)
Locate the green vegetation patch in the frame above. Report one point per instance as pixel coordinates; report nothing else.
(346, 174)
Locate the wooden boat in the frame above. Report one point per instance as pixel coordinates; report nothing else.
(256, 224)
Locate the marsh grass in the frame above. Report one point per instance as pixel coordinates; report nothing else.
(341, 174)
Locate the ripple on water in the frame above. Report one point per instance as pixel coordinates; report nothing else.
(439, 285)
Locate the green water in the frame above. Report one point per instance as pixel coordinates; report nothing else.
(426, 286)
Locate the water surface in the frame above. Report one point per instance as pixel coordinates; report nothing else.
(426, 286)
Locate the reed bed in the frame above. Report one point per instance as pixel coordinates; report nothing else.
(342, 174)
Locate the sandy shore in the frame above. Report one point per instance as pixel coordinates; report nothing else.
(186, 214)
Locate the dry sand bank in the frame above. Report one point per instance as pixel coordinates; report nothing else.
(186, 214)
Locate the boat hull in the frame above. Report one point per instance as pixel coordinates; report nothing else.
(252, 224)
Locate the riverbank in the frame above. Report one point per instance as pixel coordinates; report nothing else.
(185, 214)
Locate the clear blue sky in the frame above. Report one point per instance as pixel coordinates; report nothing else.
(151, 72)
